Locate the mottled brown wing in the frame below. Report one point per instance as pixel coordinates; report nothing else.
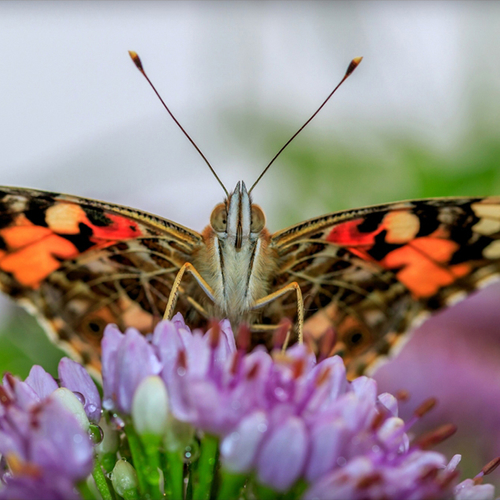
(79, 264)
(371, 273)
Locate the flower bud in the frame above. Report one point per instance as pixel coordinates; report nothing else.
(124, 479)
(150, 407)
(71, 403)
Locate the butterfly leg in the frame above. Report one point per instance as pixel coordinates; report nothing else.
(172, 299)
(291, 287)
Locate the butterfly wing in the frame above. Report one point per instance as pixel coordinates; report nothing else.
(79, 264)
(371, 273)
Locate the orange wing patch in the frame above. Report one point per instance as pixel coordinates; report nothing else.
(420, 264)
(33, 263)
(401, 226)
(33, 252)
(119, 228)
(423, 265)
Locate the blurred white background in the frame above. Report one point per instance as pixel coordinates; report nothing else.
(76, 116)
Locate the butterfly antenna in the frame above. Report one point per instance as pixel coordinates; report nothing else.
(138, 63)
(352, 66)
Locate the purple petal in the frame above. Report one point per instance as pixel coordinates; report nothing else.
(227, 343)
(342, 483)
(239, 448)
(28, 488)
(468, 490)
(41, 382)
(453, 463)
(389, 402)
(25, 396)
(58, 443)
(135, 360)
(198, 355)
(328, 441)
(365, 388)
(179, 323)
(110, 343)
(331, 388)
(283, 455)
(302, 352)
(75, 378)
(168, 341)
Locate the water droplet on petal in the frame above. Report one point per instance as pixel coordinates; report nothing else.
(77, 438)
(181, 371)
(80, 397)
(191, 452)
(375, 448)
(107, 404)
(341, 461)
(96, 433)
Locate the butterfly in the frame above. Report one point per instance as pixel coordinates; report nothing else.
(80, 264)
(369, 273)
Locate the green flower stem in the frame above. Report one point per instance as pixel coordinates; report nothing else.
(85, 492)
(101, 482)
(297, 491)
(175, 471)
(108, 461)
(231, 485)
(189, 487)
(265, 493)
(206, 468)
(151, 446)
(139, 460)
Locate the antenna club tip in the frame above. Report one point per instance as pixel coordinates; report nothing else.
(136, 59)
(353, 65)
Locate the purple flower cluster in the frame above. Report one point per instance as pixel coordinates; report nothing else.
(281, 417)
(44, 439)
(279, 421)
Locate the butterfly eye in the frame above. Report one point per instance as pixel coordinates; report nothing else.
(218, 219)
(258, 219)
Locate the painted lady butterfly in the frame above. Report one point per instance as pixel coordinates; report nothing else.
(368, 273)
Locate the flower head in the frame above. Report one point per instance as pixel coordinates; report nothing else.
(279, 423)
(285, 417)
(43, 443)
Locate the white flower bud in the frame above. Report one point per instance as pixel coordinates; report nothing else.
(124, 478)
(150, 407)
(71, 403)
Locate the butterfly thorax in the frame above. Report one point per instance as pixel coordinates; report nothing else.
(235, 259)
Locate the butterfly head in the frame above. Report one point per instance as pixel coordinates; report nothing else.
(237, 220)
